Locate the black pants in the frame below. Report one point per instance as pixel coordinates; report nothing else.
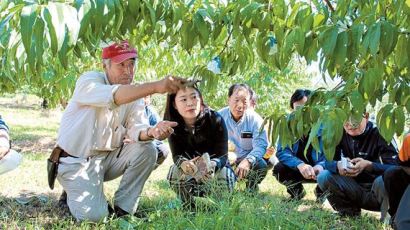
(348, 196)
(396, 181)
(293, 180)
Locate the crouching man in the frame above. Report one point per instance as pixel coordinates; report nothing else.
(354, 178)
(104, 134)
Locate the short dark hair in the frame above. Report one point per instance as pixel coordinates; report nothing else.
(171, 114)
(298, 95)
(239, 85)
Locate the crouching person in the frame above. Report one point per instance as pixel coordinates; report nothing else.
(397, 184)
(354, 178)
(9, 159)
(294, 168)
(244, 126)
(199, 147)
(104, 134)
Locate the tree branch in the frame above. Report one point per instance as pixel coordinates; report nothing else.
(226, 43)
(330, 5)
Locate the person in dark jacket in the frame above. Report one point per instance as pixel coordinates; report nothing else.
(354, 178)
(294, 167)
(397, 184)
(200, 130)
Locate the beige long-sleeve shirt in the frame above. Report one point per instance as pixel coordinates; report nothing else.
(92, 122)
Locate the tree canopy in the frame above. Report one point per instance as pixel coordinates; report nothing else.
(365, 44)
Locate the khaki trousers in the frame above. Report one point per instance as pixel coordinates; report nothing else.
(83, 179)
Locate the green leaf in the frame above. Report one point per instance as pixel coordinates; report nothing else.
(299, 39)
(312, 136)
(39, 41)
(202, 29)
(357, 101)
(119, 15)
(318, 20)
(332, 130)
(371, 82)
(28, 18)
(372, 39)
(56, 11)
(62, 53)
(73, 25)
(342, 7)
(133, 6)
(341, 49)
(399, 120)
(151, 12)
(328, 39)
(402, 52)
(355, 36)
(386, 122)
(375, 39)
(52, 35)
(262, 47)
(389, 38)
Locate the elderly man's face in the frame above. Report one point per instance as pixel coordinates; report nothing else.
(239, 102)
(120, 73)
(356, 129)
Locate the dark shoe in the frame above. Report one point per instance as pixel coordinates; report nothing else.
(119, 212)
(140, 214)
(298, 195)
(320, 195)
(349, 213)
(116, 211)
(62, 201)
(189, 205)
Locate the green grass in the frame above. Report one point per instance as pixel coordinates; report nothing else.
(34, 132)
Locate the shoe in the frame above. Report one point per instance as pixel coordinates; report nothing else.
(119, 212)
(62, 201)
(320, 195)
(297, 196)
(116, 211)
(189, 206)
(349, 213)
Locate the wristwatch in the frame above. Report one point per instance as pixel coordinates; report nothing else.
(251, 160)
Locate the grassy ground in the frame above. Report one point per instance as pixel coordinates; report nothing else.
(26, 202)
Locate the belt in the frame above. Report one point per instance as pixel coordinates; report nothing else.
(65, 154)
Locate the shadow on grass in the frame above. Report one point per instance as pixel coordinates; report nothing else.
(31, 209)
(21, 106)
(33, 139)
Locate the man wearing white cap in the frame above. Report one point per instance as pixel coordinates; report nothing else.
(9, 159)
(104, 134)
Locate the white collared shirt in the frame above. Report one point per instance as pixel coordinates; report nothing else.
(92, 122)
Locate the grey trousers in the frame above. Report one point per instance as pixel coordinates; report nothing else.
(348, 196)
(83, 179)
